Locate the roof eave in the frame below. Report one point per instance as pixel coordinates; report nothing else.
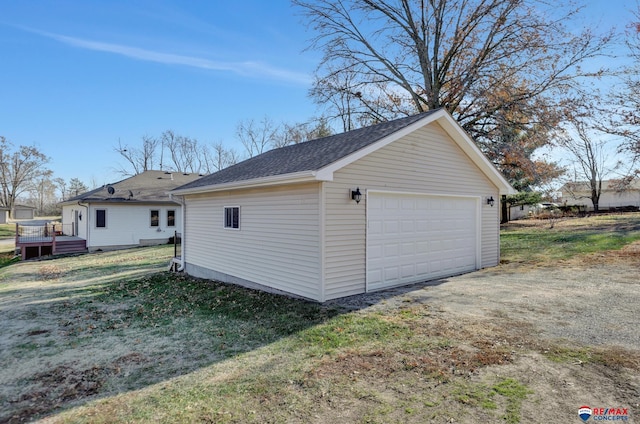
(291, 178)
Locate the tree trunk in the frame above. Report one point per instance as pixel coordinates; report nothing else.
(504, 215)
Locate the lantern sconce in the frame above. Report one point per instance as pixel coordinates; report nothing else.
(356, 195)
(490, 201)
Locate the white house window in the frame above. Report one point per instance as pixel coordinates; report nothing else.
(101, 218)
(155, 218)
(171, 218)
(232, 217)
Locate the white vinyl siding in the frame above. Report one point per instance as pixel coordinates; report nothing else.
(279, 242)
(425, 161)
(127, 225)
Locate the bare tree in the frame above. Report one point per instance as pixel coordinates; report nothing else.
(257, 137)
(43, 192)
(140, 159)
(301, 132)
(493, 64)
(219, 157)
(621, 110)
(61, 184)
(171, 151)
(18, 170)
(590, 158)
(185, 152)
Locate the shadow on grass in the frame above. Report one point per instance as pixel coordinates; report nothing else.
(93, 332)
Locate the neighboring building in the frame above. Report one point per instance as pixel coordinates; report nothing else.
(4, 215)
(136, 211)
(23, 212)
(289, 220)
(522, 211)
(579, 193)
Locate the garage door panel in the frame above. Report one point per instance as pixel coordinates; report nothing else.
(408, 271)
(412, 238)
(391, 273)
(390, 227)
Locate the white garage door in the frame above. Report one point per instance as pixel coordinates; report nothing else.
(413, 238)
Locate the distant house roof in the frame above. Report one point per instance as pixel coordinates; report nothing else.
(149, 186)
(318, 159)
(582, 186)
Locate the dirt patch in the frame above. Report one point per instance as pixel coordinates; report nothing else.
(67, 384)
(568, 332)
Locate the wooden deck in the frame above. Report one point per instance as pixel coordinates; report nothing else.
(33, 247)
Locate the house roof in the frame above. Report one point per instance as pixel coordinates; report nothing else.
(580, 186)
(148, 186)
(316, 160)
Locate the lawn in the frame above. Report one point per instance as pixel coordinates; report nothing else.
(114, 337)
(7, 230)
(542, 241)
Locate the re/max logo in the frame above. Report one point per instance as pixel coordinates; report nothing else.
(610, 411)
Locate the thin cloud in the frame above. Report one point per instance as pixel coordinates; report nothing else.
(245, 68)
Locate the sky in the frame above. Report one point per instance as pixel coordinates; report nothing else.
(79, 77)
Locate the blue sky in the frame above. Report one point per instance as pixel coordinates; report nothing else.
(79, 76)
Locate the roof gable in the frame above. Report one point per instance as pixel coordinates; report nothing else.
(148, 186)
(317, 160)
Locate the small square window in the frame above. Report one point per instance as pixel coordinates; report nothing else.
(155, 218)
(171, 218)
(232, 217)
(101, 218)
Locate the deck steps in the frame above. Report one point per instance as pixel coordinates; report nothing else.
(70, 246)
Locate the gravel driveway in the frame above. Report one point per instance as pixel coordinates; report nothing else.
(592, 303)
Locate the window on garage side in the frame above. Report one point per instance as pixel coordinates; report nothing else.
(155, 218)
(232, 217)
(171, 218)
(101, 218)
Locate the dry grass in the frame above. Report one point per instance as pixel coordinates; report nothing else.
(112, 337)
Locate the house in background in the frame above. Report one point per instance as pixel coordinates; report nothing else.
(397, 203)
(23, 212)
(19, 212)
(4, 215)
(136, 211)
(579, 193)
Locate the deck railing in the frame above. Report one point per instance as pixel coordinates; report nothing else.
(34, 233)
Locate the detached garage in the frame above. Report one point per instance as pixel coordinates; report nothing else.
(397, 203)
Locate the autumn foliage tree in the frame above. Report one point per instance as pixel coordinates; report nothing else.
(502, 68)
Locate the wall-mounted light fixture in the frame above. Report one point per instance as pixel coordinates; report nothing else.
(356, 195)
(490, 201)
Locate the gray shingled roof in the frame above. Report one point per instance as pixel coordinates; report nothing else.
(308, 156)
(149, 186)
